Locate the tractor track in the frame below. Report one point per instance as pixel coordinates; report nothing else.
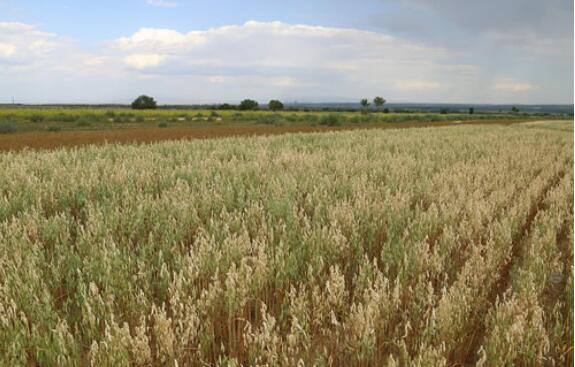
(471, 354)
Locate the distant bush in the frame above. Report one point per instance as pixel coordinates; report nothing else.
(248, 116)
(237, 117)
(386, 110)
(163, 124)
(311, 118)
(54, 129)
(91, 117)
(8, 117)
(84, 122)
(330, 120)
(292, 117)
(126, 117)
(36, 118)
(227, 106)
(356, 119)
(64, 117)
(271, 120)
(365, 118)
(7, 128)
(431, 117)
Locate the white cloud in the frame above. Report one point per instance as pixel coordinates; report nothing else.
(7, 50)
(514, 86)
(163, 3)
(22, 42)
(144, 61)
(283, 55)
(26, 51)
(152, 39)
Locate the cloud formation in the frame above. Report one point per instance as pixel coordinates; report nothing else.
(23, 44)
(294, 54)
(259, 60)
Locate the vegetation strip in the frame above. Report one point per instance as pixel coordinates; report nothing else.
(134, 134)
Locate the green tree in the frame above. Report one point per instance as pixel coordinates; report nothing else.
(226, 106)
(471, 110)
(379, 102)
(275, 105)
(249, 104)
(514, 109)
(364, 103)
(144, 103)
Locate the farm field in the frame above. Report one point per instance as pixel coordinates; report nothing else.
(47, 128)
(443, 246)
(143, 134)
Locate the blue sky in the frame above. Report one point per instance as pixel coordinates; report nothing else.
(94, 21)
(183, 51)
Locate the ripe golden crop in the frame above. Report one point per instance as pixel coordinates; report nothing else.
(428, 247)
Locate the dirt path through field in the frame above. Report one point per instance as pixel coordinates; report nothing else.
(52, 140)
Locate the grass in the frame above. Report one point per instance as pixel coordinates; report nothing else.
(34, 119)
(330, 120)
(8, 128)
(84, 123)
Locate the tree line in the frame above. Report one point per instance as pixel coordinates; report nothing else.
(148, 103)
(144, 102)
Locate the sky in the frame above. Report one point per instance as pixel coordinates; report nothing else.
(189, 51)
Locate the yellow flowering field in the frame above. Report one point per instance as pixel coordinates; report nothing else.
(422, 247)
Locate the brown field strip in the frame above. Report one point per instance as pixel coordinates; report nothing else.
(53, 140)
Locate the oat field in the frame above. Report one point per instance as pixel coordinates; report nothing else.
(441, 246)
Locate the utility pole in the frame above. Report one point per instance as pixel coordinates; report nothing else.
(13, 100)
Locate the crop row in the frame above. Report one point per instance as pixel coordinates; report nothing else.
(416, 247)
